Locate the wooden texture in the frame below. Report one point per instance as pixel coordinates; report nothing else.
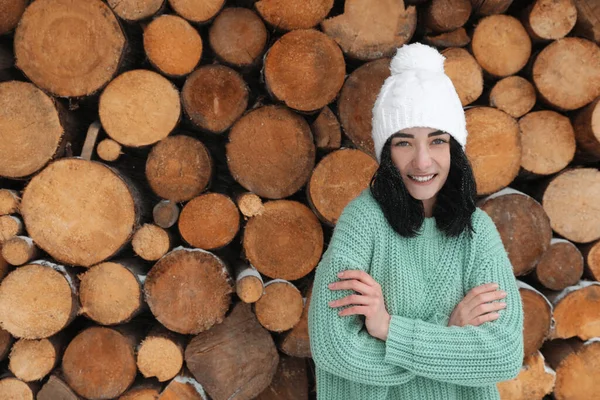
(455, 38)
(550, 19)
(151, 242)
(288, 15)
(296, 342)
(165, 213)
(19, 250)
(32, 360)
(586, 125)
(109, 150)
(537, 321)
(135, 10)
(535, 381)
(10, 14)
(198, 11)
(326, 130)
(465, 73)
(10, 202)
(290, 381)
(514, 95)
(10, 226)
(160, 354)
(588, 19)
(447, 15)
(56, 389)
(577, 311)
(280, 307)
(560, 266)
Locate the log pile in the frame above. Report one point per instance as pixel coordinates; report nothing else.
(169, 250)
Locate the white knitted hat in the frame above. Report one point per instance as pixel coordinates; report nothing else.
(417, 94)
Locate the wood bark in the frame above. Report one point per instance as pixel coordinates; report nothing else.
(154, 112)
(550, 19)
(271, 152)
(32, 360)
(586, 125)
(19, 250)
(182, 284)
(10, 226)
(199, 12)
(101, 208)
(494, 148)
(326, 130)
(214, 97)
(280, 307)
(290, 381)
(238, 37)
(109, 150)
(135, 10)
(535, 380)
(23, 314)
(235, 357)
(336, 180)
(304, 69)
(209, 221)
(165, 213)
(111, 292)
(447, 15)
(296, 237)
(537, 312)
(560, 266)
(588, 20)
(151, 242)
(501, 45)
(160, 354)
(577, 62)
(490, 7)
(465, 73)
(85, 40)
(288, 16)
(360, 39)
(249, 285)
(577, 311)
(10, 202)
(56, 389)
(514, 95)
(296, 342)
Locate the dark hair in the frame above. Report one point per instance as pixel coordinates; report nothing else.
(453, 207)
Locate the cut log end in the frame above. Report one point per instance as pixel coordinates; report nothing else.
(13, 388)
(238, 36)
(296, 342)
(575, 312)
(151, 242)
(289, 16)
(455, 38)
(199, 12)
(109, 150)
(160, 356)
(305, 69)
(10, 226)
(490, 7)
(154, 112)
(514, 95)
(592, 260)
(249, 289)
(173, 46)
(295, 237)
(183, 387)
(290, 381)
(25, 313)
(110, 293)
(550, 19)
(447, 15)
(135, 10)
(209, 221)
(533, 382)
(466, 75)
(10, 202)
(141, 394)
(32, 360)
(249, 204)
(10, 14)
(86, 43)
(165, 213)
(560, 266)
(326, 130)
(19, 250)
(587, 129)
(280, 308)
(537, 320)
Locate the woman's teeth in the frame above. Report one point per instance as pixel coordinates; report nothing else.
(422, 178)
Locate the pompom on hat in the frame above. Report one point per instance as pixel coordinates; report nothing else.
(417, 94)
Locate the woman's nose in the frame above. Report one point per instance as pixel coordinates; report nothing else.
(422, 160)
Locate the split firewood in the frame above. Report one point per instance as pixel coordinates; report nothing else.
(305, 69)
(547, 142)
(296, 342)
(136, 10)
(238, 36)
(236, 358)
(249, 204)
(109, 150)
(271, 152)
(210, 221)
(80, 212)
(111, 292)
(19, 250)
(577, 62)
(289, 15)
(576, 366)
(295, 239)
(6, 341)
(214, 97)
(588, 20)
(10, 202)
(160, 354)
(576, 311)
(535, 380)
(183, 387)
(198, 12)
(356, 101)
(523, 226)
(34, 129)
(249, 285)
(501, 45)
(10, 14)
(490, 7)
(56, 389)
(550, 19)
(455, 38)
(326, 130)
(32, 360)
(587, 129)
(591, 256)
(336, 180)
(188, 290)
(560, 266)
(537, 312)
(494, 148)
(153, 112)
(172, 45)
(465, 73)
(290, 381)
(151, 242)
(38, 300)
(99, 363)
(86, 43)
(447, 15)
(280, 307)
(13, 388)
(514, 95)
(565, 201)
(10, 226)
(165, 213)
(359, 38)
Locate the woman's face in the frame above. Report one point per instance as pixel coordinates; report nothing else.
(422, 155)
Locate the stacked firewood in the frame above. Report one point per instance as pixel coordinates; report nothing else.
(171, 172)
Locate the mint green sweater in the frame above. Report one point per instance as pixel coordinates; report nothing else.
(422, 279)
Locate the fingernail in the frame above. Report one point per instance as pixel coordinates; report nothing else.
(330, 303)
(495, 286)
(503, 293)
(340, 274)
(503, 305)
(330, 285)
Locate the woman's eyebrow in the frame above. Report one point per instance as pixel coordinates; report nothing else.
(409, 136)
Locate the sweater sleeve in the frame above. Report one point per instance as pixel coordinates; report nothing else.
(470, 355)
(340, 345)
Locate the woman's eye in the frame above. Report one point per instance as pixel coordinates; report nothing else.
(402, 144)
(439, 141)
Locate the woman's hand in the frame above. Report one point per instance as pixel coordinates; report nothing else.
(474, 308)
(369, 302)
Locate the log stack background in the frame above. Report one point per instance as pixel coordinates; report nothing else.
(171, 172)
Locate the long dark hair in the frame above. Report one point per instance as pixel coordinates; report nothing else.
(453, 207)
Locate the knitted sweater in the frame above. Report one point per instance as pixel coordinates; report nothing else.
(422, 280)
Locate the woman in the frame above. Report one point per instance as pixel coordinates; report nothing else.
(415, 297)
